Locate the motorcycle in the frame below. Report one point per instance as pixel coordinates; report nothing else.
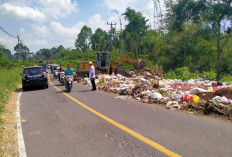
(68, 84)
(62, 78)
(55, 74)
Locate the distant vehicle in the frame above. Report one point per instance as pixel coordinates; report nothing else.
(54, 67)
(49, 66)
(34, 76)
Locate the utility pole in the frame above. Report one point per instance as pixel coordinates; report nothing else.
(111, 33)
(20, 51)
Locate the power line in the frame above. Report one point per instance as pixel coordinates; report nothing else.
(7, 33)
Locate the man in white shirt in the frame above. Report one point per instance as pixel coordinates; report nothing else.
(92, 75)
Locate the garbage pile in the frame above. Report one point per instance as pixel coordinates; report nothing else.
(194, 95)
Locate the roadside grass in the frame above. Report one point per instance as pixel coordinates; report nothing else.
(9, 80)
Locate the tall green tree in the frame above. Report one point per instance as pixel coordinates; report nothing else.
(46, 53)
(135, 30)
(210, 12)
(22, 51)
(100, 40)
(83, 39)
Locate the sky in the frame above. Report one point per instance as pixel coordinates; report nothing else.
(50, 23)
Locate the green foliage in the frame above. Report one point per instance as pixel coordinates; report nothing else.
(182, 74)
(170, 75)
(211, 75)
(150, 64)
(127, 67)
(134, 31)
(100, 40)
(227, 78)
(83, 38)
(65, 63)
(9, 80)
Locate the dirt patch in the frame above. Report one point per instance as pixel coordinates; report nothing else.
(227, 92)
(9, 144)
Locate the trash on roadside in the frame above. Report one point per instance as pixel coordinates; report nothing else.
(196, 98)
(147, 86)
(172, 104)
(4, 126)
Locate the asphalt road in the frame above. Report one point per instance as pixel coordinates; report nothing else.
(56, 126)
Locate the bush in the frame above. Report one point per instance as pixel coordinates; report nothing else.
(64, 63)
(9, 80)
(170, 75)
(127, 67)
(226, 78)
(182, 74)
(210, 75)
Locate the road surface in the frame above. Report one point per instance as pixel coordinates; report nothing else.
(56, 125)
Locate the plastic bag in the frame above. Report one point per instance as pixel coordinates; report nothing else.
(187, 97)
(156, 96)
(196, 98)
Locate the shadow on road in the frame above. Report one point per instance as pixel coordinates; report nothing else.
(33, 88)
(85, 91)
(58, 85)
(63, 91)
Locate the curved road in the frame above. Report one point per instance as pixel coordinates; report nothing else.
(54, 125)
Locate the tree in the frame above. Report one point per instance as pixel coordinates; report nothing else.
(100, 40)
(22, 50)
(135, 30)
(83, 38)
(215, 13)
(46, 53)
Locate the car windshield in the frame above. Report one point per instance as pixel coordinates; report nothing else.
(33, 71)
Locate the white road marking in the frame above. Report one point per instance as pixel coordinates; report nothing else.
(21, 144)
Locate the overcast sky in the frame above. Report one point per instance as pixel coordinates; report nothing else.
(50, 23)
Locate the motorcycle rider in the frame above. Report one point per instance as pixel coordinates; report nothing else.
(60, 70)
(68, 71)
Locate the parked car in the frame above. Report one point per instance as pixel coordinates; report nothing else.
(34, 76)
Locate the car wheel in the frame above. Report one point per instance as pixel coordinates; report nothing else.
(46, 85)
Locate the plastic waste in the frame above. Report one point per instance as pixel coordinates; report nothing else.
(187, 97)
(173, 104)
(155, 96)
(145, 80)
(224, 100)
(123, 92)
(4, 126)
(216, 98)
(216, 89)
(197, 90)
(196, 98)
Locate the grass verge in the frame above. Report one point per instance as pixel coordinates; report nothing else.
(9, 80)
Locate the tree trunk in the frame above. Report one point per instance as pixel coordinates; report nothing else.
(219, 51)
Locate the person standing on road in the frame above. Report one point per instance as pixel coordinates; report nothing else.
(92, 76)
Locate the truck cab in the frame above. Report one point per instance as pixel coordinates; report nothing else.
(103, 61)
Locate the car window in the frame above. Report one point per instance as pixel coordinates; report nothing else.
(33, 71)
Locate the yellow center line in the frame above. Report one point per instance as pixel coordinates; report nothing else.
(129, 131)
